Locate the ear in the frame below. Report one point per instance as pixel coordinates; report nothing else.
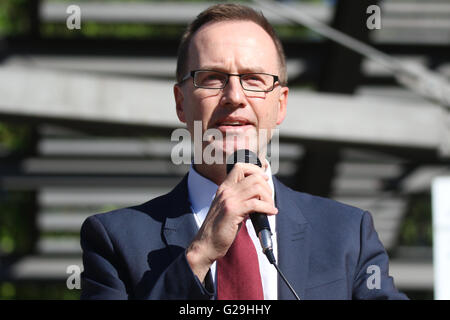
(179, 99)
(282, 104)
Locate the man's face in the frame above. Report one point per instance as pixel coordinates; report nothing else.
(233, 47)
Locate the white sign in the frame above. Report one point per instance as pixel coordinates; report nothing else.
(441, 237)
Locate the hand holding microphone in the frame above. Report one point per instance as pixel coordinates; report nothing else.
(259, 220)
(244, 191)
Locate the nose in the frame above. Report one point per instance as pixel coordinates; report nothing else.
(233, 94)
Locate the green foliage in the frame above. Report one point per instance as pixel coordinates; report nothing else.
(17, 231)
(416, 229)
(38, 291)
(295, 32)
(7, 290)
(139, 30)
(14, 20)
(16, 223)
(212, 1)
(112, 30)
(13, 17)
(14, 137)
(15, 226)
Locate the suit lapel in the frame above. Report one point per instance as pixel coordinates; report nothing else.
(180, 227)
(293, 236)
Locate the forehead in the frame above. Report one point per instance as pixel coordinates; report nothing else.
(233, 45)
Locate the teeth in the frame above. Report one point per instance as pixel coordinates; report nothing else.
(232, 123)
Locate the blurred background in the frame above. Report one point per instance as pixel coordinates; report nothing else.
(86, 117)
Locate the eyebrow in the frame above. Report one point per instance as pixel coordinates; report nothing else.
(243, 70)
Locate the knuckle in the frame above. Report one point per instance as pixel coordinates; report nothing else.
(263, 184)
(259, 189)
(227, 206)
(224, 192)
(262, 180)
(261, 177)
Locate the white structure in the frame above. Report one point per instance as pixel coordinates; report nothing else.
(441, 237)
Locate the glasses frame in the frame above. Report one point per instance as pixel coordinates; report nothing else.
(192, 73)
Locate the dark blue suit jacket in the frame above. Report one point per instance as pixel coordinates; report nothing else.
(325, 249)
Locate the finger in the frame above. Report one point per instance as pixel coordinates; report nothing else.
(257, 191)
(255, 186)
(255, 205)
(242, 170)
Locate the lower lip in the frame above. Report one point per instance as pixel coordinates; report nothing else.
(226, 128)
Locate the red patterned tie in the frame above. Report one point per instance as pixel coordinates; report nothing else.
(238, 276)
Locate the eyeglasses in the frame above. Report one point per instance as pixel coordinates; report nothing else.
(211, 79)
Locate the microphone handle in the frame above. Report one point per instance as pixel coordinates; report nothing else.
(259, 221)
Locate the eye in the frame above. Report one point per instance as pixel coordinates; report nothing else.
(253, 77)
(210, 78)
(214, 76)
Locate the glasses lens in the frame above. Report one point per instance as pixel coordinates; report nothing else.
(210, 79)
(257, 82)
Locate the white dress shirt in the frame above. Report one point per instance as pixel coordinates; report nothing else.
(201, 194)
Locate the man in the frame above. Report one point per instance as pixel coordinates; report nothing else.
(189, 243)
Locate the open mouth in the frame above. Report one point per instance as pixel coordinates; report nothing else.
(232, 122)
(234, 126)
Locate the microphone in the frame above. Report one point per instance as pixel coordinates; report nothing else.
(259, 220)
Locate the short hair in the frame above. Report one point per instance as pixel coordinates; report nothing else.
(228, 12)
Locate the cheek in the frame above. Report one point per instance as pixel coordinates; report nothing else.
(267, 116)
(200, 110)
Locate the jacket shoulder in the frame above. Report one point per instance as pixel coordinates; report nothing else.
(148, 215)
(324, 211)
